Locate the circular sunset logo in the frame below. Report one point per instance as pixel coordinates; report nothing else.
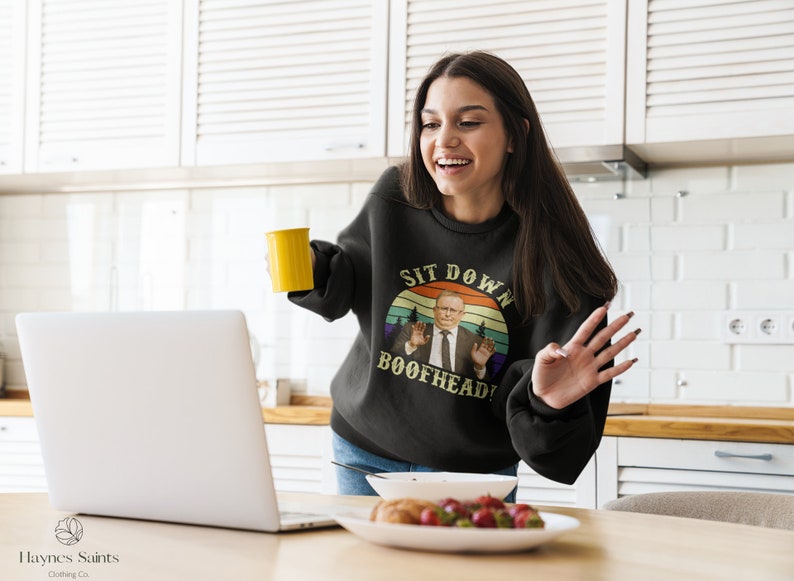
(474, 311)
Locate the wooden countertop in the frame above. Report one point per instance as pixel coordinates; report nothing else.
(303, 410)
(608, 546)
(728, 423)
(16, 404)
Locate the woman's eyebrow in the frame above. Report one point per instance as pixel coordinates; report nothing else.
(463, 109)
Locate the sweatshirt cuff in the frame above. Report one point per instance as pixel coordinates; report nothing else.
(542, 409)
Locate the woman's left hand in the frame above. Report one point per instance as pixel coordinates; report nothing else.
(563, 375)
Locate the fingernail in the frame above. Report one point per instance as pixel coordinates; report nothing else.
(607, 305)
(562, 352)
(637, 331)
(630, 314)
(634, 360)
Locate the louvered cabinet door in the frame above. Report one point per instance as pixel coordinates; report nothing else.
(103, 84)
(12, 84)
(570, 53)
(284, 81)
(700, 70)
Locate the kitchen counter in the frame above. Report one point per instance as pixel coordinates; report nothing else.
(303, 410)
(608, 545)
(725, 423)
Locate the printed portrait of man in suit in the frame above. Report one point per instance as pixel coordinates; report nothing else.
(445, 343)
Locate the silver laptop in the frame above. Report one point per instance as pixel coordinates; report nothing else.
(154, 416)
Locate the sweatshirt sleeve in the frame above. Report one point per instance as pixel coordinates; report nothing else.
(343, 271)
(557, 444)
(333, 292)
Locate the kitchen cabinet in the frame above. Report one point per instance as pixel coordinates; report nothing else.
(571, 55)
(710, 81)
(629, 466)
(103, 85)
(535, 489)
(182, 87)
(21, 464)
(300, 457)
(292, 81)
(12, 84)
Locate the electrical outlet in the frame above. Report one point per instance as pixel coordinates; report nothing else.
(768, 326)
(736, 326)
(764, 327)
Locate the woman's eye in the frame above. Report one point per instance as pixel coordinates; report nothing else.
(429, 125)
(470, 123)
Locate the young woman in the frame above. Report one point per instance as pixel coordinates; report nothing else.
(482, 209)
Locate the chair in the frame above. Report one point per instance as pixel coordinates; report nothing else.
(751, 508)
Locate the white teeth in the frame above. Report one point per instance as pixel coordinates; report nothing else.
(445, 161)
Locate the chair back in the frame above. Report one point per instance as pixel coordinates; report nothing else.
(752, 508)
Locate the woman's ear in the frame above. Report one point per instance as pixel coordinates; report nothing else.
(526, 132)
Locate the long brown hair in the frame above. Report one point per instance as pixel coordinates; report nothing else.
(554, 236)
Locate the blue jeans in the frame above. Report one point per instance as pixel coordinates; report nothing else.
(355, 483)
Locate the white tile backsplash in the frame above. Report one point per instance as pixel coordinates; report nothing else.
(767, 265)
(688, 238)
(728, 243)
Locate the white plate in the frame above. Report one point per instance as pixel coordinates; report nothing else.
(453, 539)
(434, 486)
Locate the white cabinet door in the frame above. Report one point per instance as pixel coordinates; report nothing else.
(12, 84)
(707, 70)
(21, 464)
(628, 466)
(103, 84)
(288, 81)
(571, 54)
(301, 458)
(535, 489)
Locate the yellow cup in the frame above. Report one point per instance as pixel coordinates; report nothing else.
(290, 260)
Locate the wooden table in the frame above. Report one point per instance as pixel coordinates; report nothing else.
(611, 546)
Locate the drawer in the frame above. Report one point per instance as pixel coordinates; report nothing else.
(295, 440)
(13, 429)
(744, 457)
(21, 465)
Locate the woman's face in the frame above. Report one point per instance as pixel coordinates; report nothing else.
(463, 140)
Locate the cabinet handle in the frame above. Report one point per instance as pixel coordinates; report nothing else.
(721, 454)
(338, 146)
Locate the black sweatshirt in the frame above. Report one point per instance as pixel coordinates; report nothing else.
(388, 266)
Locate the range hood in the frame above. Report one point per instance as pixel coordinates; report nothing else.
(601, 163)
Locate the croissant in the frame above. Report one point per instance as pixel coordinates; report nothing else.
(401, 510)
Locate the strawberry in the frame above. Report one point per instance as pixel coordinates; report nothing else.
(484, 518)
(429, 517)
(516, 508)
(454, 506)
(490, 502)
(528, 519)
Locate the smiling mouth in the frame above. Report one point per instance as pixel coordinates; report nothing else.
(448, 162)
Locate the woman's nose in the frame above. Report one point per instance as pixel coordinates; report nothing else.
(447, 136)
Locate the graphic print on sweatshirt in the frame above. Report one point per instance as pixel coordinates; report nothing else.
(424, 317)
